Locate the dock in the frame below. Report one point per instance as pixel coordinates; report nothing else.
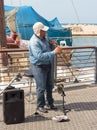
(82, 100)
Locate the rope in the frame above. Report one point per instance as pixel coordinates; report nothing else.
(75, 11)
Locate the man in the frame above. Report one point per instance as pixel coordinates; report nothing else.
(41, 58)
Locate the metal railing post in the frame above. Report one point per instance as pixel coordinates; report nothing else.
(95, 65)
(55, 69)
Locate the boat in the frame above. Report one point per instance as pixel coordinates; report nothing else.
(21, 19)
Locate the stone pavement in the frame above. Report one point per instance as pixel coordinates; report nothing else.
(82, 101)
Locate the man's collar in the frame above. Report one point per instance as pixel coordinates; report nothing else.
(42, 39)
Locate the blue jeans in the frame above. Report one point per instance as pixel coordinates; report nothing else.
(44, 84)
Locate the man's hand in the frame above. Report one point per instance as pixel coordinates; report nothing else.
(58, 50)
(53, 42)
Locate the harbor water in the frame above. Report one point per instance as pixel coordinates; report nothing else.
(84, 41)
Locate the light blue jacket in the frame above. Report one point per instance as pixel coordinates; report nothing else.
(40, 51)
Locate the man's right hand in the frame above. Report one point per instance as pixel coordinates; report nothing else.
(58, 50)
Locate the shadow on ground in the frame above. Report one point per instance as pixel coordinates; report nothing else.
(36, 117)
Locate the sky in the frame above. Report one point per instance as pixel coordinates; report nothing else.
(67, 11)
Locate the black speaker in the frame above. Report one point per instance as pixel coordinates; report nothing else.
(13, 106)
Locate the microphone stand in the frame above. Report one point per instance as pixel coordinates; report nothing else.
(61, 118)
(61, 91)
(17, 78)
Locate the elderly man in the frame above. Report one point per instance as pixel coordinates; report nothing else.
(41, 58)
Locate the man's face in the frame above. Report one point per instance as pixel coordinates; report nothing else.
(42, 33)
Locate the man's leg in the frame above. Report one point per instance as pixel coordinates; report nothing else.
(40, 78)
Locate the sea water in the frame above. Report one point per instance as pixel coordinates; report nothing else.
(84, 41)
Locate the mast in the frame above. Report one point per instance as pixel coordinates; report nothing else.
(2, 25)
(3, 43)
